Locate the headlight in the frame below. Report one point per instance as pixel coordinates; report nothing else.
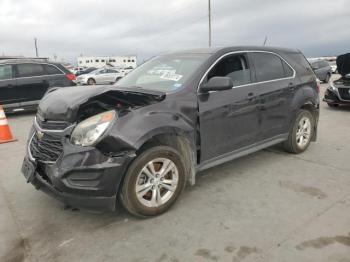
(87, 132)
(332, 87)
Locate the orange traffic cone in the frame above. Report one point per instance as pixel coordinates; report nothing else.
(5, 132)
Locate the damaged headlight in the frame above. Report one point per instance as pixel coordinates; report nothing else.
(332, 87)
(87, 132)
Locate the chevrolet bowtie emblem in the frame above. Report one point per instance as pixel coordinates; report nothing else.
(39, 135)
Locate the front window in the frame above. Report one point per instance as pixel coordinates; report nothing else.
(164, 73)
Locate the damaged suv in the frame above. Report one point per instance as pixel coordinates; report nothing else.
(338, 92)
(139, 141)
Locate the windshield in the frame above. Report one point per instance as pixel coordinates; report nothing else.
(164, 73)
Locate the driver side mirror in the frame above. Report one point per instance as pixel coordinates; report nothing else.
(217, 83)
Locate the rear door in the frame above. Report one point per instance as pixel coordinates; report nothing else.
(318, 70)
(275, 85)
(114, 75)
(228, 119)
(8, 92)
(102, 76)
(31, 81)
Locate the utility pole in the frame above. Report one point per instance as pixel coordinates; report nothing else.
(264, 44)
(36, 47)
(209, 17)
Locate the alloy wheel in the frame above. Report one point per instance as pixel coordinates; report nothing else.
(157, 182)
(303, 132)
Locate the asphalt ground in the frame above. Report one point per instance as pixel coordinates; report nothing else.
(268, 206)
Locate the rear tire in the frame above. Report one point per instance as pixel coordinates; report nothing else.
(91, 82)
(153, 182)
(300, 133)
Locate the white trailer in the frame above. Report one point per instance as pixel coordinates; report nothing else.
(101, 61)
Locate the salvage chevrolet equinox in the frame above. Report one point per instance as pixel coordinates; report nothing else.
(139, 141)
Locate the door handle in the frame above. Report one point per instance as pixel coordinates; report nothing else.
(250, 96)
(291, 87)
(9, 86)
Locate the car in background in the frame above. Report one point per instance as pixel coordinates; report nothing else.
(338, 92)
(23, 82)
(77, 69)
(334, 67)
(322, 70)
(100, 76)
(85, 71)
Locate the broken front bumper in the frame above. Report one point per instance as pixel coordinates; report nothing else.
(332, 97)
(80, 176)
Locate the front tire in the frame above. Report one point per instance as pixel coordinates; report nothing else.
(153, 182)
(301, 133)
(91, 82)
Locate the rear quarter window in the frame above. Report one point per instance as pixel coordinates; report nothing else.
(52, 70)
(299, 63)
(267, 67)
(28, 70)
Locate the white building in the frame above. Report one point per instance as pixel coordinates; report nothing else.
(101, 61)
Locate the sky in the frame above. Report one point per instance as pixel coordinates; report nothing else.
(70, 28)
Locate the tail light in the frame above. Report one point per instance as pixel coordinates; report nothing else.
(70, 77)
(318, 87)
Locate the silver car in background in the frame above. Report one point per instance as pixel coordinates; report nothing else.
(100, 76)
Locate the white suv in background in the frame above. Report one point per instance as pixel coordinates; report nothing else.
(100, 76)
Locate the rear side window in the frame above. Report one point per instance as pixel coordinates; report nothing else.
(234, 66)
(52, 70)
(27, 70)
(323, 64)
(267, 67)
(5, 72)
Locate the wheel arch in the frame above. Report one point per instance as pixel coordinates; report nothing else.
(180, 142)
(314, 110)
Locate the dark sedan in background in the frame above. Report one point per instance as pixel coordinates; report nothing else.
(322, 70)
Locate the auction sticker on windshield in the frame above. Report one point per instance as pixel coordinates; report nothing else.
(171, 76)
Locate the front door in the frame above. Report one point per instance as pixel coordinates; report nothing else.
(228, 119)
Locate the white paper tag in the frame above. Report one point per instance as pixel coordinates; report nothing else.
(171, 76)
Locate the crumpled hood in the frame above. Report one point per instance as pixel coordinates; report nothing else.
(62, 104)
(343, 64)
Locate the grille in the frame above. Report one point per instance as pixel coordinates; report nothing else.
(344, 93)
(48, 148)
(51, 125)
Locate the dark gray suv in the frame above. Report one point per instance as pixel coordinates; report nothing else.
(23, 82)
(322, 70)
(140, 140)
